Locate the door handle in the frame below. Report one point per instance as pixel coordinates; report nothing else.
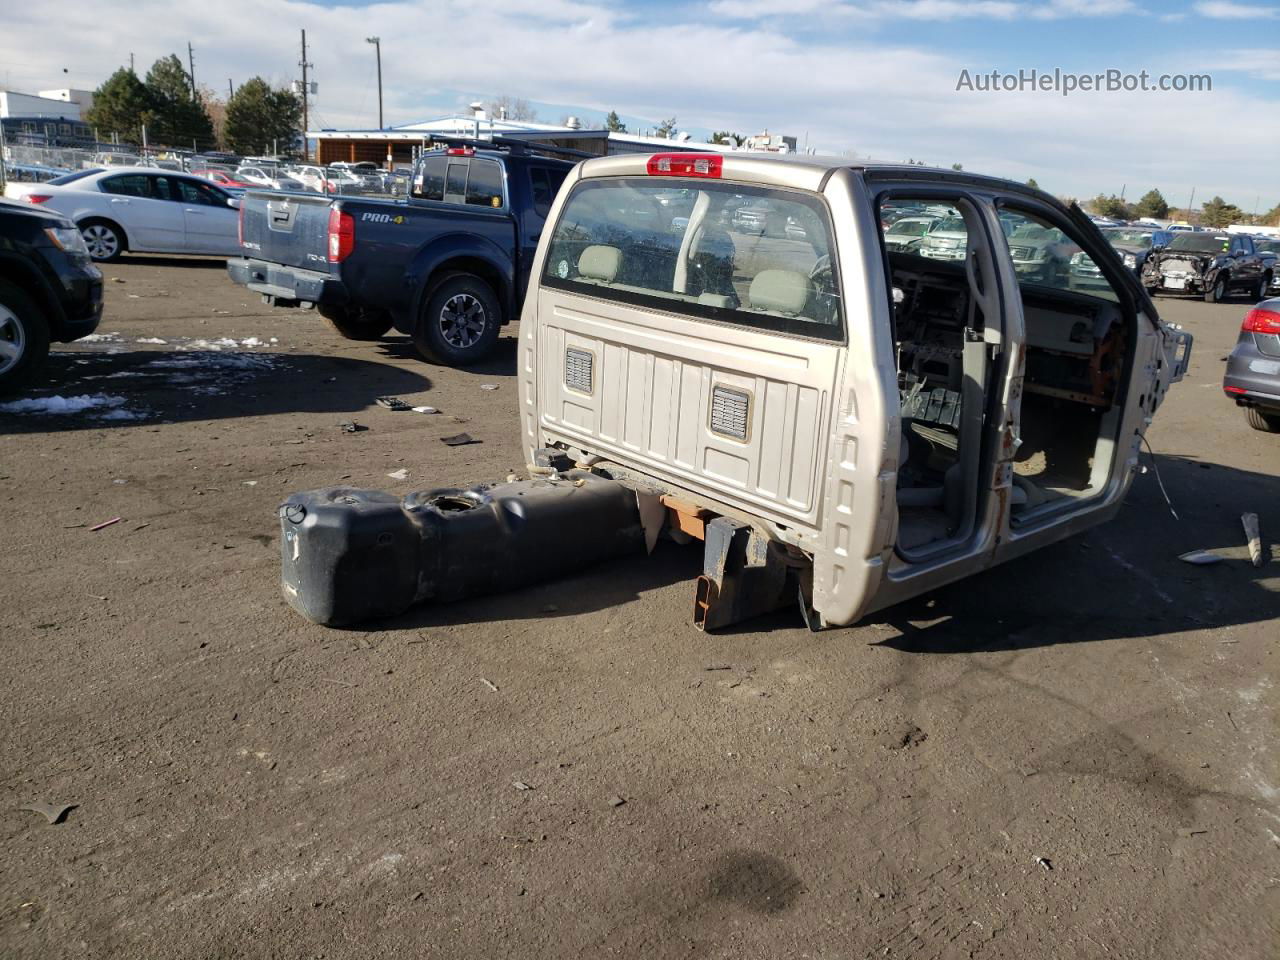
(191, 210)
(119, 200)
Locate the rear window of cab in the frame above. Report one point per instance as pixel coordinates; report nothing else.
(716, 250)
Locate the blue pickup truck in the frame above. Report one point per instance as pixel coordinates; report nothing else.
(448, 265)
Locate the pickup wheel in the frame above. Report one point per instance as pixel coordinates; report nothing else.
(1264, 284)
(460, 323)
(356, 323)
(24, 337)
(105, 240)
(1266, 422)
(1218, 292)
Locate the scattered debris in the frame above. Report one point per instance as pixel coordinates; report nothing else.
(352, 426)
(146, 523)
(490, 684)
(458, 440)
(616, 801)
(53, 812)
(106, 523)
(1190, 831)
(1200, 557)
(521, 785)
(1233, 720)
(250, 483)
(425, 410)
(401, 474)
(1044, 862)
(1254, 535)
(392, 403)
(72, 526)
(343, 683)
(906, 734)
(718, 666)
(117, 280)
(94, 596)
(488, 386)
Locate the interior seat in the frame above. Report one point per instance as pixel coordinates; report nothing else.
(599, 263)
(780, 291)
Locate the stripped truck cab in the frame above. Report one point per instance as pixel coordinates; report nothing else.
(843, 423)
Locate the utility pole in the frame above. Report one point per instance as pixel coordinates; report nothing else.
(131, 70)
(377, 45)
(306, 149)
(191, 62)
(1190, 203)
(231, 90)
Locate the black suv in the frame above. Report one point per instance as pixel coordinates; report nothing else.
(49, 289)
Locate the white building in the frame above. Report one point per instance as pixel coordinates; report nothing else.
(70, 95)
(26, 105)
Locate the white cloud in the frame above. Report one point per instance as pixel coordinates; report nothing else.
(888, 100)
(1223, 10)
(943, 10)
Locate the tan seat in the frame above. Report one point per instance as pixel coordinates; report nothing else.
(780, 291)
(599, 263)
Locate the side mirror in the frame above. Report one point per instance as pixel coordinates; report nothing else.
(233, 203)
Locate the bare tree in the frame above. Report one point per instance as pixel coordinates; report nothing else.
(507, 107)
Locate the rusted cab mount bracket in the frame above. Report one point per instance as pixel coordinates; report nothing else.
(744, 574)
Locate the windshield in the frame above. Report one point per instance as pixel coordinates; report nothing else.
(910, 228)
(1267, 246)
(72, 177)
(617, 240)
(950, 225)
(1199, 242)
(1129, 238)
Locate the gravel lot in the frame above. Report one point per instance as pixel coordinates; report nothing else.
(1074, 756)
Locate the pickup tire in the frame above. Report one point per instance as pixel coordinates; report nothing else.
(1264, 284)
(356, 323)
(24, 337)
(460, 323)
(105, 240)
(1218, 292)
(1266, 422)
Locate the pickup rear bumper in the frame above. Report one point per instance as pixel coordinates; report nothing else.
(286, 286)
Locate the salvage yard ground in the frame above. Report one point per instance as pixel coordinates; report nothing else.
(1073, 756)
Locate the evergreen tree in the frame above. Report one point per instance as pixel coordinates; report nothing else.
(122, 105)
(1152, 204)
(1031, 182)
(614, 123)
(257, 115)
(1218, 213)
(180, 119)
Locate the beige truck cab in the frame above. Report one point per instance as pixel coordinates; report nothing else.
(844, 425)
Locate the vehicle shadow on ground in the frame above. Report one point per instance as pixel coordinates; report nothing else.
(500, 363)
(142, 388)
(1122, 579)
(156, 260)
(605, 585)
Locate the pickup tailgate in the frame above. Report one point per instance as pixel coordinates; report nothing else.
(286, 228)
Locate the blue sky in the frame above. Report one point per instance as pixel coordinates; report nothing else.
(872, 78)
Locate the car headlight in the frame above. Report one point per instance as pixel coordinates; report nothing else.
(1130, 260)
(1077, 258)
(68, 239)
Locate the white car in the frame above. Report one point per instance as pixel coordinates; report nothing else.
(142, 210)
(268, 177)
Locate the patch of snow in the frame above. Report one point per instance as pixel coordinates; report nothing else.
(61, 404)
(120, 413)
(252, 342)
(101, 338)
(150, 340)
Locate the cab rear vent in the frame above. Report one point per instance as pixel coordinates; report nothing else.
(577, 370)
(729, 412)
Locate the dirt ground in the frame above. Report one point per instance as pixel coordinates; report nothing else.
(1071, 757)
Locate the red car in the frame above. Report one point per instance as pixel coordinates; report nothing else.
(220, 178)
